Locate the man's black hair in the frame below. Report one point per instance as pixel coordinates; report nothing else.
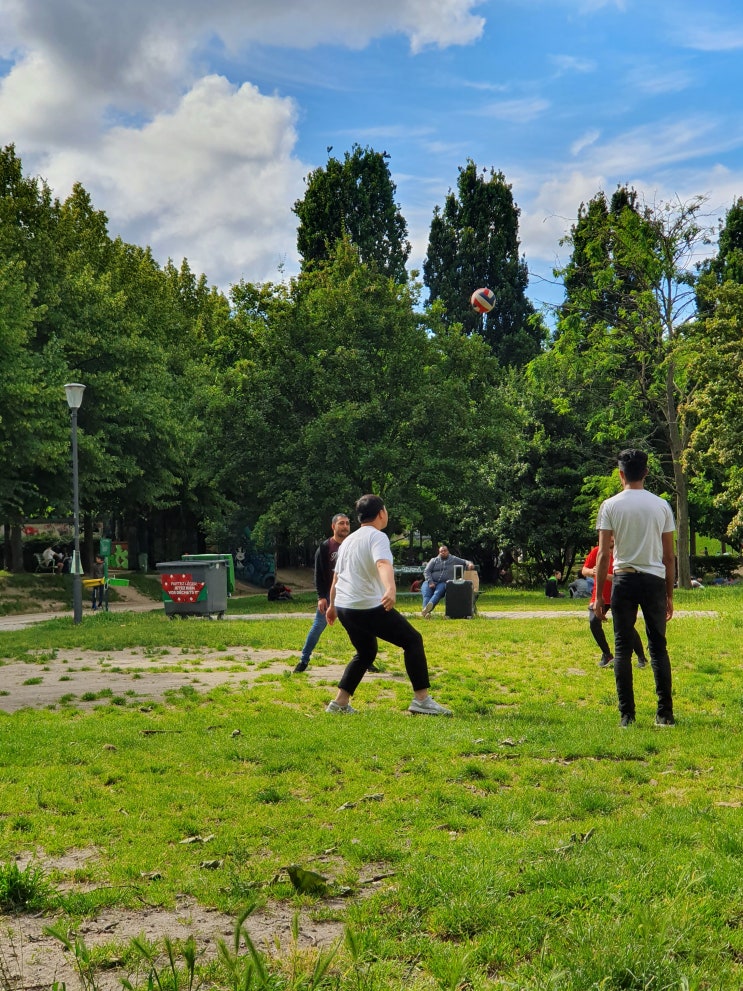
(633, 464)
(369, 507)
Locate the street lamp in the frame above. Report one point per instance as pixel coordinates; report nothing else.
(74, 392)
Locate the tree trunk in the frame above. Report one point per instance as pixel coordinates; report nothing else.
(683, 562)
(16, 548)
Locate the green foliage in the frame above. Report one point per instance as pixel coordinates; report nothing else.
(27, 890)
(340, 389)
(353, 199)
(282, 404)
(473, 242)
(621, 343)
(716, 450)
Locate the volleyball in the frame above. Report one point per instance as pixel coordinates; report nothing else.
(483, 300)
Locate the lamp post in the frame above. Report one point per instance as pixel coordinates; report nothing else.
(74, 392)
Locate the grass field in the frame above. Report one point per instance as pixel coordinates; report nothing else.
(526, 843)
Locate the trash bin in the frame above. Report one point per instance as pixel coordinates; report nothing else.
(194, 588)
(228, 560)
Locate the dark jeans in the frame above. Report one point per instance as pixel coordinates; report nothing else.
(629, 591)
(363, 627)
(597, 629)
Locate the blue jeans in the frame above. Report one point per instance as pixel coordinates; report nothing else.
(314, 634)
(432, 595)
(363, 626)
(629, 591)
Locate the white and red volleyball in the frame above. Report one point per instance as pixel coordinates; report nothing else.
(483, 300)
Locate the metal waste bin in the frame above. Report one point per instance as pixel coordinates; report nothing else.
(228, 560)
(194, 588)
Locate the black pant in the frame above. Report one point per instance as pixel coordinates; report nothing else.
(629, 591)
(363, 626)
(597, 629)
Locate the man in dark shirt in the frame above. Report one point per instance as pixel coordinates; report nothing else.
(324, 565)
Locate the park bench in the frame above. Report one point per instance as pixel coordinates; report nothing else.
(42, 565)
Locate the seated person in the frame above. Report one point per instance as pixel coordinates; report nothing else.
(550, 589)
(52, 559)
(437, 573)
(581, 588)
(279, 593)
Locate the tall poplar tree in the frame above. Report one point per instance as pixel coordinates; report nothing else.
(474, 242)
(354, 198)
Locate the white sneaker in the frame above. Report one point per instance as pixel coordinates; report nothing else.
(428, 707)
(427, 610)
(346, 710)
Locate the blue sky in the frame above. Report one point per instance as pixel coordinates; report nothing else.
(193, 125)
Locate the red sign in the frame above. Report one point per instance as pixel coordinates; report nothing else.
(182, 588)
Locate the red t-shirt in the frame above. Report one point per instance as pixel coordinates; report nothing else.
(590, 562)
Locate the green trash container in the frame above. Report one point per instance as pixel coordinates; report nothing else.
(228, 560)
(194, 588)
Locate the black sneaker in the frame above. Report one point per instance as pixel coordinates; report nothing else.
(373, 668)
(665, 721)
(642, 662)
(626, 720)
(606, 660)
(302, 666)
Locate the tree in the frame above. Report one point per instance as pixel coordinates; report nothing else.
(628, 311)
(474, 242)
(716, 448)
(727, 264)
(541, 481)
(353, 198)
(34, 443)
(334, 387)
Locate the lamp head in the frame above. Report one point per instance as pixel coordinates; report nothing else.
(74, 393)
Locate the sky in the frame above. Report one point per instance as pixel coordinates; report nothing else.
(193, 125)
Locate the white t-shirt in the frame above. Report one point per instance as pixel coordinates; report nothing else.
(358, 585)
(638, 519)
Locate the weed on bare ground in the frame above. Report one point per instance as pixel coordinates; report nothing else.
(33, 958)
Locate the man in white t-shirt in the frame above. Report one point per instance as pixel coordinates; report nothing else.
(644, 575)
(362, 597)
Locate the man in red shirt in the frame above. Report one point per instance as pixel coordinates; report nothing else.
(589, 571)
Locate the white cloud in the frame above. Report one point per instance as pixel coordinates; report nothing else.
(651, 146)
(201, 168)
(708, 38)
(214, 181)
(584, 141)
(571, 63)
(649, 79)
(550, 211)
(519, 111)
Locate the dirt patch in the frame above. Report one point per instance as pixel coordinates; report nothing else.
(85, 678)
(36, 959)
(32, 958)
